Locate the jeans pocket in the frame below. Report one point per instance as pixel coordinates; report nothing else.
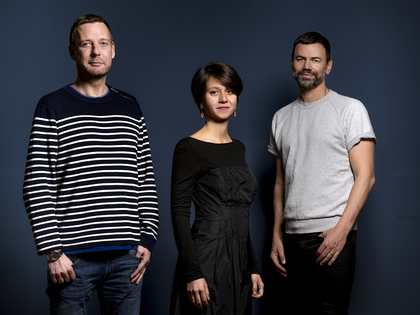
(132, 254)
(75, 258)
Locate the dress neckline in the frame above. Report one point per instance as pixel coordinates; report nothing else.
(210, 142)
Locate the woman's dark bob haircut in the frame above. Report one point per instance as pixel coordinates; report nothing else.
(224, 74)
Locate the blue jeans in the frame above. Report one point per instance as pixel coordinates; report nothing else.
(316, 289)
(108, 273)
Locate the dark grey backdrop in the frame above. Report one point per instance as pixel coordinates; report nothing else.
(159, 45)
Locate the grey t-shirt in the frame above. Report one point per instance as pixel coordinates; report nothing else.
(314, 140)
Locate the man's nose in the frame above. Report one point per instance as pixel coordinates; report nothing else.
(307, 64)
(95, 50)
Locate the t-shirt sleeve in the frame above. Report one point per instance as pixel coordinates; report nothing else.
(185, 169)
(274, 144)
(357, 124)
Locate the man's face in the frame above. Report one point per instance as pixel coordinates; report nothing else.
(93, 50)
(309, 65)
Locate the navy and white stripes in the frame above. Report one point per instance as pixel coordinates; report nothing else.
(89, 178)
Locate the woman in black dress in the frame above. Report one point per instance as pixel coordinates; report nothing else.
(217, 270)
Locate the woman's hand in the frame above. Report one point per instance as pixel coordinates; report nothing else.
(198, 293)
(257, 286)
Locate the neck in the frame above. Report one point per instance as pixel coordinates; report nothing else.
(313, 95)
(214, 132)
(93, 88)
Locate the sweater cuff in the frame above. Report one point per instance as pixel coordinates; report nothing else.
(148, 242)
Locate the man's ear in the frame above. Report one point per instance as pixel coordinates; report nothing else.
(329, 66)
(72, 52)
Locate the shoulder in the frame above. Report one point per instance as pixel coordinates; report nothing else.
(122, 94)
(185, 152)
(127, 102)
(184, 145)
(238, 144)
(342, 102)
(50, 103)
(52, 97)
(285, 110)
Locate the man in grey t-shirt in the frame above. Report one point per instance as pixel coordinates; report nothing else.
(324, 146)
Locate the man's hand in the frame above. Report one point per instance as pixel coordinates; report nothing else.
(277, 256)
(257, 286)
(144, 255)
(198, 293)
(61, 270)
(330, 249)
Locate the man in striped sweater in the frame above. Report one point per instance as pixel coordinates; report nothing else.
(89, 186)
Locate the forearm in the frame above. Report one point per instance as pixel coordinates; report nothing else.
(277, 251)
(357, 199)
(362, 163)
(253, 262)
(185, 245)
(278, 200)
(278, 211)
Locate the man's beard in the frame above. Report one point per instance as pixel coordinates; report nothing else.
(307, 83)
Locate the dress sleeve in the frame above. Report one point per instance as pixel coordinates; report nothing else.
(185, 169)
(253, 262)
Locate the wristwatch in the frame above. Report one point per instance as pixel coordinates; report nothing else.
(54, 254)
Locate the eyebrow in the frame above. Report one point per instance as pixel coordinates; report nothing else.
(100, 39)
(299, 56)
(212, 87)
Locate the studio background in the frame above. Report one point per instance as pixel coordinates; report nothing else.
(159, 46)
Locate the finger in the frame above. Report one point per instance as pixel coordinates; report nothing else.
(141, 266)
(197, 299)
(53, 279)
(66, 277)
(140, 276)
(72, 274)
(255, 289)
(257, 295)
(60, 279)
(321, 249)
(137, 276)
(204, 296)
(191, 297)
(259, 292)
(278, 265)
(281, 270)
(334, 258)
(325, 257)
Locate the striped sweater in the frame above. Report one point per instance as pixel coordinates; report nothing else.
(89, 178)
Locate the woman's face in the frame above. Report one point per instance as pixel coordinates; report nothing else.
(219, 101)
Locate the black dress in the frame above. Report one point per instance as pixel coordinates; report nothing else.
(218, 247)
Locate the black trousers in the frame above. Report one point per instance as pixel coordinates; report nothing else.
(315, 289)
